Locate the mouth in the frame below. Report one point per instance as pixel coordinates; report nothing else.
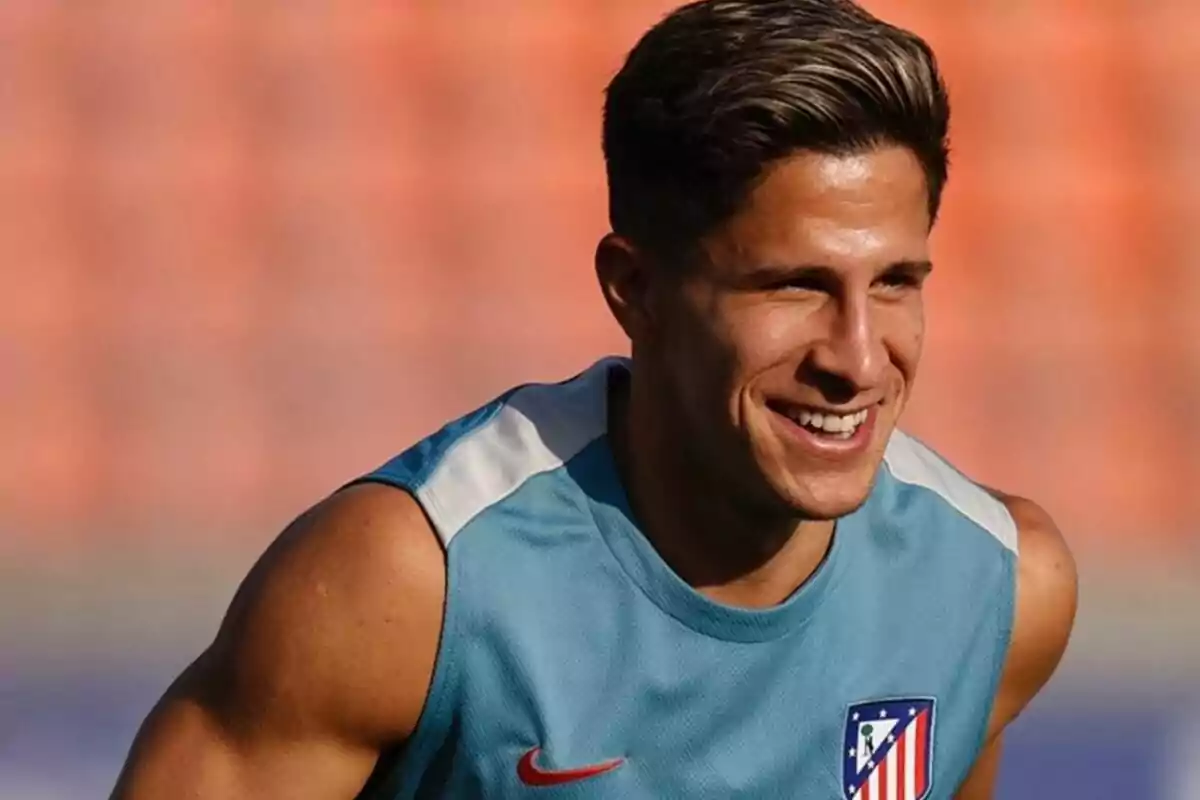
(826, 430)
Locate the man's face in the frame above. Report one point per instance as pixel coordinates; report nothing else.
(790, 351)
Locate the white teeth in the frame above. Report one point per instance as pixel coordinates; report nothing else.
(840, 426)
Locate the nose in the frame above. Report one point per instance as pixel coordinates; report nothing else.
(851, 356)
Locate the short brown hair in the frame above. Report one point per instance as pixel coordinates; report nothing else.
(719, 89)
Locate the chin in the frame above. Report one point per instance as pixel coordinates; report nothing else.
(827, 505)
(813, 479)
(827, 496)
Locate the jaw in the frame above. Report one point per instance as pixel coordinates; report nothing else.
(821, 476)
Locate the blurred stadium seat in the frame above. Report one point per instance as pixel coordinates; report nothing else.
(250, 251)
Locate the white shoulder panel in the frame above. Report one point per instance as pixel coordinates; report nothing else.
(538, 429)
(912, 462)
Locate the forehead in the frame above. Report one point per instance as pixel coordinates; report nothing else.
(846, 210)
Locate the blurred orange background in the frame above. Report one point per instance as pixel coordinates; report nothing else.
(251, 250)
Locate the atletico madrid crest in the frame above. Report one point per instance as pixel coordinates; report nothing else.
(888, 752)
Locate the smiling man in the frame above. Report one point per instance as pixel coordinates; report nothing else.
(714, 569)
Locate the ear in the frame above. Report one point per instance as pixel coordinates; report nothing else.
(625, 280)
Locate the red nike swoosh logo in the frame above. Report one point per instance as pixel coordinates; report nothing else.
(533, 775)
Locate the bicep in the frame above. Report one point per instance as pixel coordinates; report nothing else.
(322, 662)
(1046, 596)
(191, 745)
(981, 781)
(1046, 599)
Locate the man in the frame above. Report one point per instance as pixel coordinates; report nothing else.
(715, 569)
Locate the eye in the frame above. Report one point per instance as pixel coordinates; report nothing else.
(900, 279)
(805, 280)
(801, 284)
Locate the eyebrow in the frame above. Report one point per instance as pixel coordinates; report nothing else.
(923, 267)
(777, 272)
(919, 268)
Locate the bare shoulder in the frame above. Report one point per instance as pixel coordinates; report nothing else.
(1046, 599)
(322, 662)
(337, 625)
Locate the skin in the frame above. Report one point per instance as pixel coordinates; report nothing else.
(1047, 598)
(322, 662)
(810, 296)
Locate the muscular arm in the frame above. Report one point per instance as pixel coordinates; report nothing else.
(1045, 613)
(323, 660)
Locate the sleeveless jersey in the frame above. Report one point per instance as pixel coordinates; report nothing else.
(574, 663)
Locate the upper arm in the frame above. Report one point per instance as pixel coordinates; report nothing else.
(982, 781)
(1046, 597)
(323, 661)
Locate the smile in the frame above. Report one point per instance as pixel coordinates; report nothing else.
(841, 426)
(825, 430)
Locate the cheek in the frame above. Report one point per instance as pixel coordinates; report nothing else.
(698, 350)
(917, 334)
(724, 338)
(765, 335)
(904, 335)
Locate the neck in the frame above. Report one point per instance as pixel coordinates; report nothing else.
(733, 551)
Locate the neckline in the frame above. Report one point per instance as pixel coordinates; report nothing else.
(638, 558)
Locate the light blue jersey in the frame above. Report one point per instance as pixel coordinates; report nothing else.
(575, 664)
